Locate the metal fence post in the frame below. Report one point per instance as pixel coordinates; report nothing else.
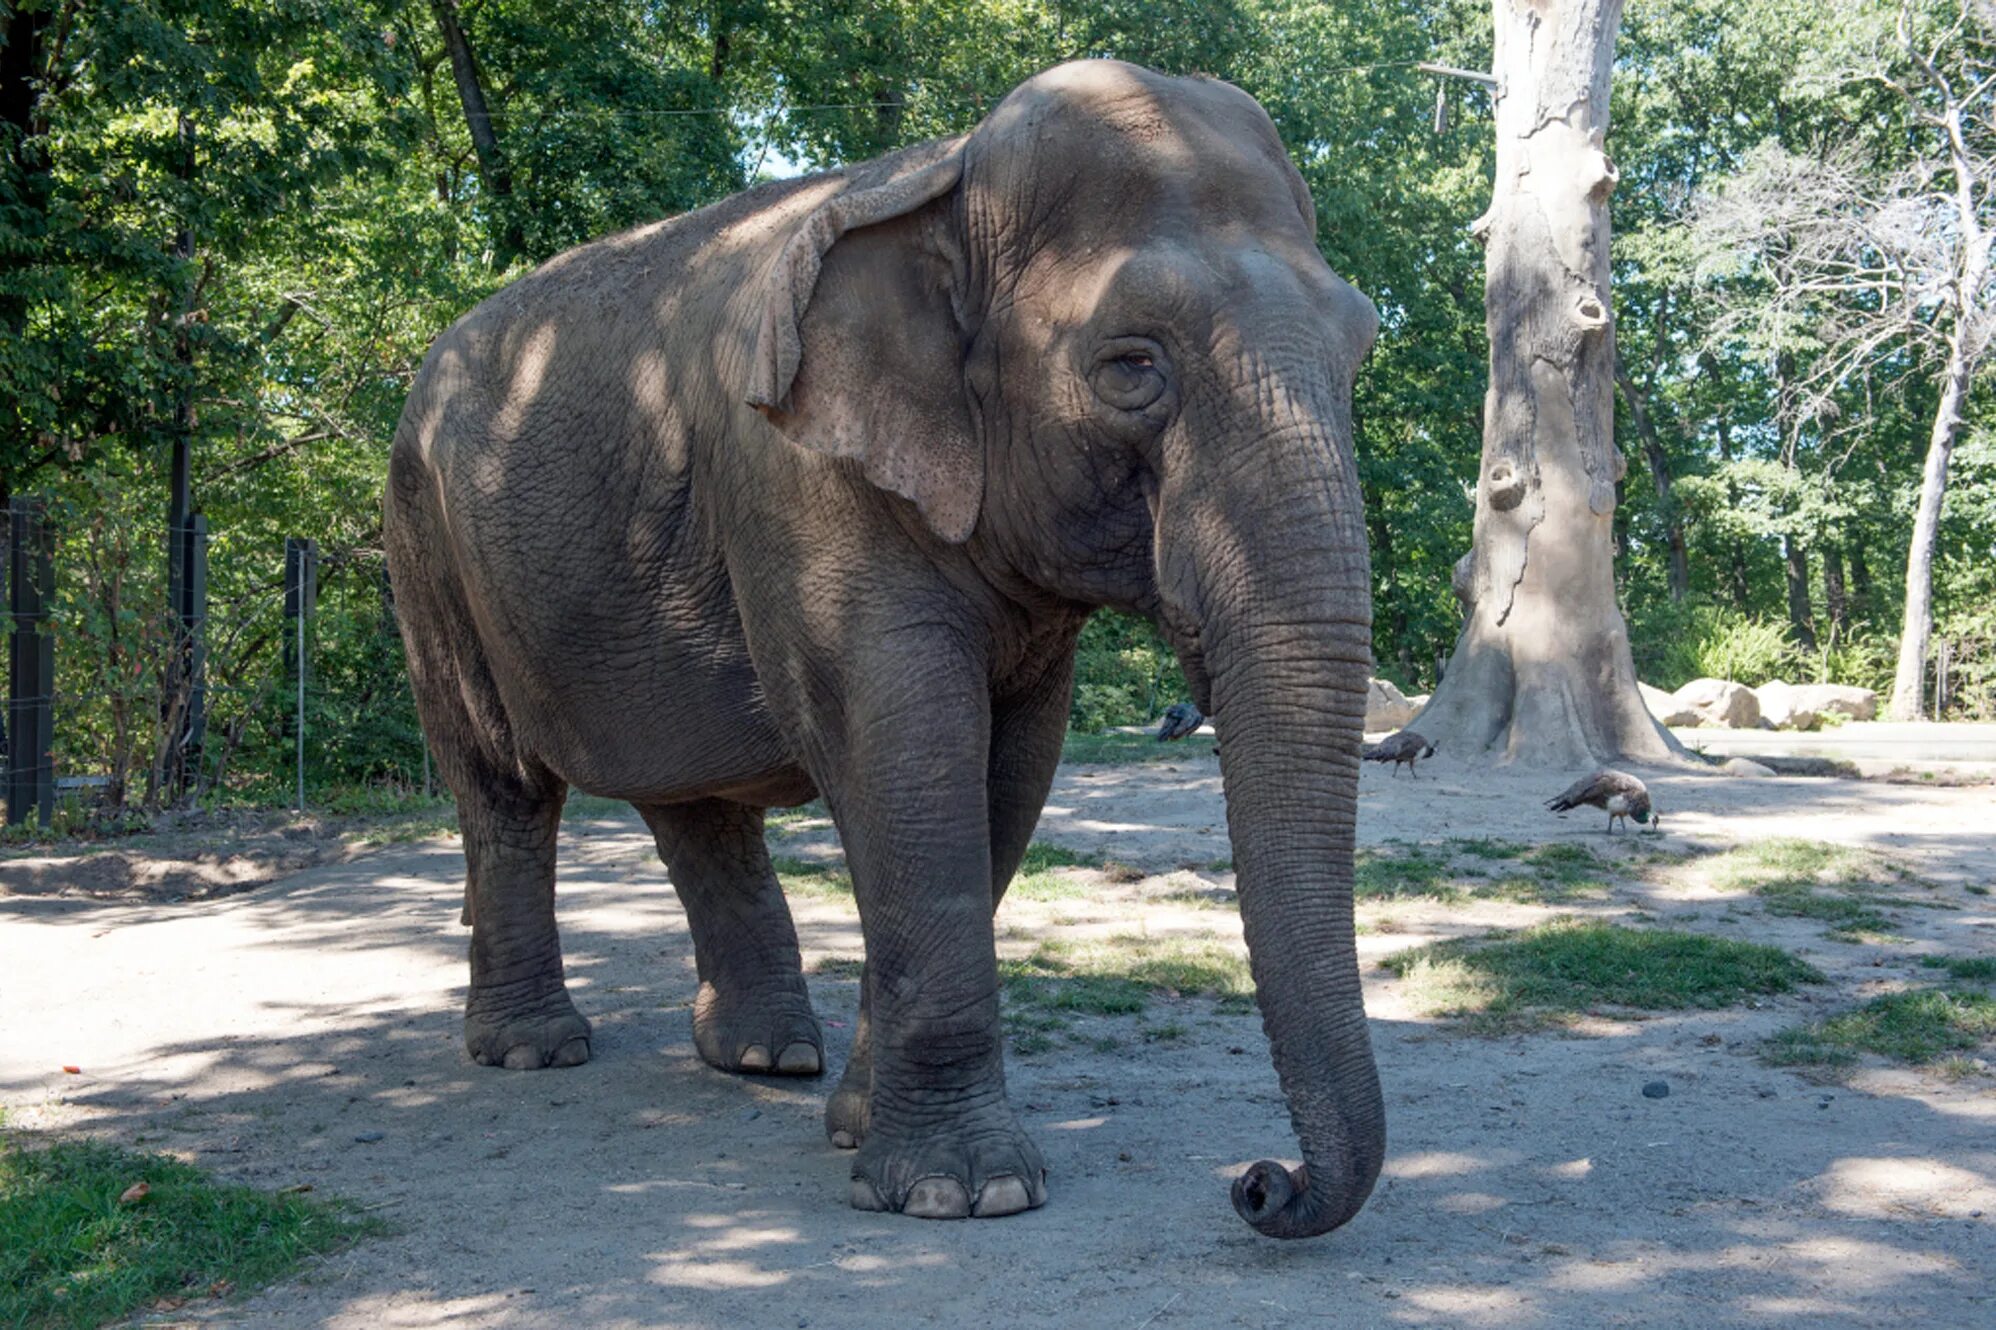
(301, 592)
(31, 661)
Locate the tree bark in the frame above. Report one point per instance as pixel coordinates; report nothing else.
(1801, 616)
(1836, 600)
(493, 171)
(1542, 673)
(1659, 472)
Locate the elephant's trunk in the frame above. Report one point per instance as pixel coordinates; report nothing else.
(1284, 644)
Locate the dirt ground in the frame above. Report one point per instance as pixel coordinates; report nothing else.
(307, 1032)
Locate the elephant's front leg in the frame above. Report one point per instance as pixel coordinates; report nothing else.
(941, 1140)
(1028, 725)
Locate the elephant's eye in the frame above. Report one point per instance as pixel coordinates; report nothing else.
(1129, 374)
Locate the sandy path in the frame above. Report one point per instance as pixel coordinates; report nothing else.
(1530, 1183)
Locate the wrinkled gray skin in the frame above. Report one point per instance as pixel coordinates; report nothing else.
(810, 491)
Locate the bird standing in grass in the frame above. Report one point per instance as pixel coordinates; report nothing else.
(1403, 746)
(1616, 793)
(1180, 719)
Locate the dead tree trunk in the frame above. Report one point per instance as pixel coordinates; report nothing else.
(1542, 672)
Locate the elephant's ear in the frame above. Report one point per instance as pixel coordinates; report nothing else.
(860, 352)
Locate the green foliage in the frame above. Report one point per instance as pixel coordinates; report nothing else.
(1124, 674)
(72, 1253)
(1709, 642)
(339, 218)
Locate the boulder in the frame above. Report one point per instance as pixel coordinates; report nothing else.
(1745, 766)
(1841, 698)
(1721, 702)
(1782, 707)
(1666, 708)
(1386, 707)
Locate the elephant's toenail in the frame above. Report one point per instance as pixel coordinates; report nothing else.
(799, 1059)
(523, 1057)
(1002, 1196)
(937, 1198)
(572, 1054)
(843, 1140)
(755, 1058)
(864, 1197)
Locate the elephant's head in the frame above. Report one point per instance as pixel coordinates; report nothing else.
(1094, 341)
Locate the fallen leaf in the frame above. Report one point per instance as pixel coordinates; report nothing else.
(74, 1071)
(135, 1193)
(294, 1189)
(221, 1288)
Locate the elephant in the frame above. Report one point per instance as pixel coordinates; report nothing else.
(808, 493)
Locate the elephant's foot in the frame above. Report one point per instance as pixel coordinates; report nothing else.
(768, 1033)
(979, 1168)
(846, 1110)
(548, 1033)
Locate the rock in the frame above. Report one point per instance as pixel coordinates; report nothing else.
(1386, 707)
(369, 1137)
(1721, 702)
(1842, 698)
(1657, 1090)
(1745, 766)
(1782, 707)
(1666, 708)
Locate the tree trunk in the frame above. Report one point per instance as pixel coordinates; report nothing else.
(1836, 601)
(1909, 682)
(1542, 672)
(1659, 472)
(1965, 346)
(493, 172)
(1860, 580)
(1801, 617)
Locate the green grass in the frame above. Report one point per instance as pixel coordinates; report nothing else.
(1482, 847)
(816, 878)
(1567, 966)
(1122, 749)
(1920, 1026)
(1039, 877)
(1119, 976)
(1838, 885)
(1973, 968)
(1398, 870)
(73, 1254)
(839, 967)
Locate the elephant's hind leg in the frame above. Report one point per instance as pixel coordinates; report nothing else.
(518, 1014)
(752, 1012)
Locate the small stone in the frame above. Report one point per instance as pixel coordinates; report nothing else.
(369, 1137)
(1657, 1090)
(751, 1114)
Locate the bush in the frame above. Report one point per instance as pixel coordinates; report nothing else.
(1708, 642)
(1124, 673)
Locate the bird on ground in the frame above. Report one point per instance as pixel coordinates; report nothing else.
(1403, 746)
(1616, 793)
(1180, 719)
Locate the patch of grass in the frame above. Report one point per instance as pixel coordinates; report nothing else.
(1400, 870)
(1566, 966)
(839, 967)
(1119, 976)
(1973, 968)
(1482, 847)
(590, 807)
(1039, 877)
(790, 817)
(72, 1253)
(1122, 749)
(1169, 1032)
(1839, 885)
(820, 878)
(1918, 1026)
